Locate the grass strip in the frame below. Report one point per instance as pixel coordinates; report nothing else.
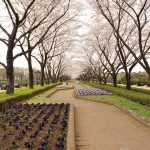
(137, 97)
(41, 98)
(22, 94)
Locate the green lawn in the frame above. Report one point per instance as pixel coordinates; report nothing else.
(21, 91)
(41, 98)
(135, 96)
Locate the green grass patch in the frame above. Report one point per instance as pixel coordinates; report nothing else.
(137, 97)
(41, 98)
(22, 94)
(139, 109)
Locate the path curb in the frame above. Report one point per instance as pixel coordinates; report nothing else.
(71, 125)
(47, 96)
(59, 89)
(142, 119)
(71, 130)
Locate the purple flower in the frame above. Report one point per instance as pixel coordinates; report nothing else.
(5, 136)
(44, 144)
(35, 120)
(19, 137)
(17, 126)
(23, 132)
(16, 119)
(36, 132)
(33, 136)
(14, 144)
(26, 119)
(4, 127)
(60, 145)
(21, 123)
(61, 139)
(46, 137)
(27, 127)
(64, 123)
(30, 124)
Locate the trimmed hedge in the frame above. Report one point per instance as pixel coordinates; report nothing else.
(7, 100)
(137, 97)
(145, 91)
(1, 83)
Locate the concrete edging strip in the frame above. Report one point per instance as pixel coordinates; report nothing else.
(71, 125)
(71, 130)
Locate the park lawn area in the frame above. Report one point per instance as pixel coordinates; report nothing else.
(22, 91)
(138, 108)
(41, 98)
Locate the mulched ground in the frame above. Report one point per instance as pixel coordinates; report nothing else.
(34, 126)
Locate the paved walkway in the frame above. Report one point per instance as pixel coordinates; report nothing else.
(104, 127)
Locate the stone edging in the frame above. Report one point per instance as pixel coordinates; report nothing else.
(71, 126)
(133, 114)
(47, 96)
(71, 130)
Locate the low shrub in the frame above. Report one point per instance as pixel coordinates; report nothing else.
(140, 84)
(143, 99)
(22, 94)
(145, 91)
(1, 83)
(143, 83)
(148, 84)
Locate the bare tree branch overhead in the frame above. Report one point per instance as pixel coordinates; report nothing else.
(93, 40)
(26, 19)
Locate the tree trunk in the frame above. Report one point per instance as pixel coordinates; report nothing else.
(31, 77)
(99, 80)
(10, 73)
(114, 76)
(105, 81)
(42, 75)
(10, 61)
(148, 72)
(128, 81)
(46, 80)
(48, 77)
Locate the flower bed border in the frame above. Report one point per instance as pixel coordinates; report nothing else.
(71, 144)
(71, 130)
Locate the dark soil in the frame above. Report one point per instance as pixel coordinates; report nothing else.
(40, 127)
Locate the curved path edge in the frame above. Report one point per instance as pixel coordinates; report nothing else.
(142, 119)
